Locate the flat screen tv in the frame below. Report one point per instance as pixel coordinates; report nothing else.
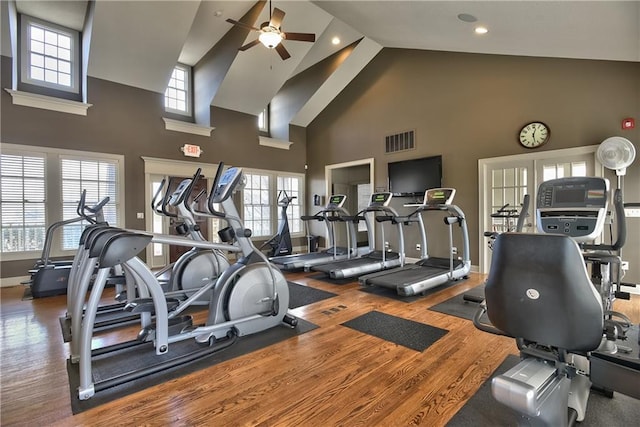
(410, 178)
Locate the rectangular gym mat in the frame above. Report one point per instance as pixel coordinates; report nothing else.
(300, 295)
(243, 346)
(393, 294)
(483, 410)
(457, 306)
(408, 333)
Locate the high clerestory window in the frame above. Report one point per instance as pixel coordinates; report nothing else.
(263, 122)
(177, 96)
(50, 55)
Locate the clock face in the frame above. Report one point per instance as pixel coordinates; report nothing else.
(534, 134)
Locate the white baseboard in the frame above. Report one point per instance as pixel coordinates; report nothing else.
(7, 282)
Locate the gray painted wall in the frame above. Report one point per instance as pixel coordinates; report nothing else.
(471, 106)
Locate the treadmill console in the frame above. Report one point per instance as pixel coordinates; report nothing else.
(439, 196)
(336, 201)
(227, 184)
(380, 199)
(574, 206)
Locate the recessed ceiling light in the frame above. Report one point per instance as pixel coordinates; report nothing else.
(467, 17)
(217, 13)
(481, 30)
(335, 40)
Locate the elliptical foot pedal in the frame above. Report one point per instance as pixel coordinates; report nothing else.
(145, 305)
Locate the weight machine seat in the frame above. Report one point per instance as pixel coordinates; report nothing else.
(538, 289)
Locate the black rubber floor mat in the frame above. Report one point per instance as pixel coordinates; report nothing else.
(408, 333)
(300, 295)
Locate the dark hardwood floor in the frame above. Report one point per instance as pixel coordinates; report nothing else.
(330, 376)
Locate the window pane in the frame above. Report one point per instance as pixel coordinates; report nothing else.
(37, 33)
(23, 209)
(51, 49)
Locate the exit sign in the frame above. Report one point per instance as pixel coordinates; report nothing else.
(191, 150)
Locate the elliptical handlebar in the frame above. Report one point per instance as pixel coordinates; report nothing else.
(210, 200)
(165, 201)
(187, 192)
(155, 206)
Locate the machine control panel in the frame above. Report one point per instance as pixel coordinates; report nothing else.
(336, 201)
(227, 184)
(575, 206)
(380, 199)
(439, 196)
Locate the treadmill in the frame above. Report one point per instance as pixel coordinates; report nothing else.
(429, 272)
(332, 213)
(374, 260)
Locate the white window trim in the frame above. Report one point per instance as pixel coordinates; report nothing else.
(189, 101)
(187, 127)
(273, 190)
(274, 143)
(53, 189)
(28, 99)
(25, 58)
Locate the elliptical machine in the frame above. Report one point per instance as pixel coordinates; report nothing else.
(250, 296)
(280, 243)
(49, 278)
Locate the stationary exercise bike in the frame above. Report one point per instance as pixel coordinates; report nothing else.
(540, 292)
(280, 243)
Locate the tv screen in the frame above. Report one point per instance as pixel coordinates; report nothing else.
(411, 178)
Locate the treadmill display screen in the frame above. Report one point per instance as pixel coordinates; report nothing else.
(337, 200)
(380, 199)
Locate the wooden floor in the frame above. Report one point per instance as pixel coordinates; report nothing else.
(330, 376)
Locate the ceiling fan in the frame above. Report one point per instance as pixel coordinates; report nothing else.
(271, 35)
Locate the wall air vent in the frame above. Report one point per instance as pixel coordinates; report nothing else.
(400, 142)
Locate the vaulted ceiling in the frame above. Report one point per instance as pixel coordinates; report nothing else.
(137, 43)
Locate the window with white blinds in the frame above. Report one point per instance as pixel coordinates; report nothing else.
(22, 195)
(41, 186)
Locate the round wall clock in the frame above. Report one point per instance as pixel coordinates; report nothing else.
(534, 134)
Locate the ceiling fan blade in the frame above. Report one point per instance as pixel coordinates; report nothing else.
(301, 37)
(248, 45)
(282, 51)
(276, 18)
(242, 24)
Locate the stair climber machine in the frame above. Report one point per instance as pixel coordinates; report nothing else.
(380, 211)
(193, 269)
(249, 297)
(553, 293)
(428, 272)
(329, 216)
(49, 277)
(280, 243)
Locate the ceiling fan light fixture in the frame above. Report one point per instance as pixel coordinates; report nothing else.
(270, 38)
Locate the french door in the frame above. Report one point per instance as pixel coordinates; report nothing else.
(504, 181)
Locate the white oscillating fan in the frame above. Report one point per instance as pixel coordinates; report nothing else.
(616, 153)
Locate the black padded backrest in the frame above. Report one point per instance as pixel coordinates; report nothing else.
(539, 289)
